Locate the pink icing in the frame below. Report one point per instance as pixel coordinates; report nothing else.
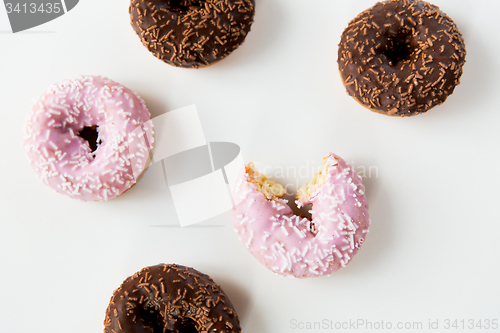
(294, 246)
(64, 161)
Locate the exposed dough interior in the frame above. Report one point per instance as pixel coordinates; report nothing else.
(273, 190)
(318, 180)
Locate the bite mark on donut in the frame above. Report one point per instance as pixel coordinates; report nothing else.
(305, 192)
(293, 245)
(274, 190)
(270, 188)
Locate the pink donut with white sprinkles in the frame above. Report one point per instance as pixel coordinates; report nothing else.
(75, 115)
(295, 246)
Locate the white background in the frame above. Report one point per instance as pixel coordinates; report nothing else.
(433, 249)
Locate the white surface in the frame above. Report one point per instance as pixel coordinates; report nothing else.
(203, 197)
(181, 127)
(232, 169)
(433, 249)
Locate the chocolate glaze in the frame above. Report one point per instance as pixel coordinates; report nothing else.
(170, 298)
(191, 33)
(401, 57)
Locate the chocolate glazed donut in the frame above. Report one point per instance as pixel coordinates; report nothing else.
(191, 33)
(401, 57)
(170, 299)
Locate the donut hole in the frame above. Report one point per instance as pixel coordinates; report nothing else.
(151, 318)
(91, 135)
(398, 47)
(187, 326)
(183, 6)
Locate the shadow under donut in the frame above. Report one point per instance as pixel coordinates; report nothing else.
(240, 298)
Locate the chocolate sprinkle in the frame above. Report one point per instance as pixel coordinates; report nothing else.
(401, 57)
(170, 298)
(191, 33)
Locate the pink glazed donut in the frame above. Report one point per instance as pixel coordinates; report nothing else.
(294, 246)
(64, 160)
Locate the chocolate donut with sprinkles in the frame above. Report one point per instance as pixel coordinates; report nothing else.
(170, 298)
(401, 57)
(191, 33)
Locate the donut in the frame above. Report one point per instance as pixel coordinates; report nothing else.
(296, 246)
(170, 298)
(88, 138)
(191, 33)
(401, 57)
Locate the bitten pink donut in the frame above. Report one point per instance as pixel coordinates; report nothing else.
(64, 160)
(294, 246)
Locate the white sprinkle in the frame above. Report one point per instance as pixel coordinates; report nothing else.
(345, 247)
(53, 145)
(51, 111)
(244, 220)
(313, 270)
(301, 235)
(250, 238)
(86, 189)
